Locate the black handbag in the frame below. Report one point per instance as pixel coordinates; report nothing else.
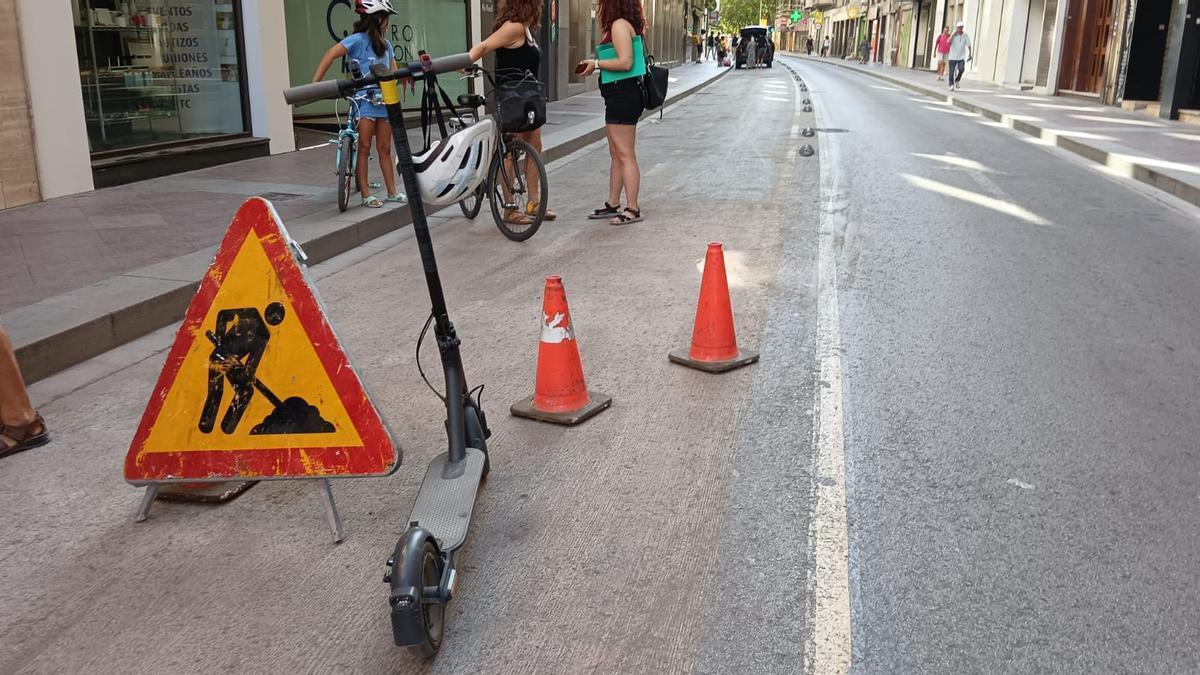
(522, 104)
(654, 85)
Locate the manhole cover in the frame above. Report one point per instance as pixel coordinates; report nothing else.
(280, 196)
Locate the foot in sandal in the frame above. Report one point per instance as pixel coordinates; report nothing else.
(371, 202)
(607, 212)
(19, 438)
(516, 217)
(531, 210)
(629, 215)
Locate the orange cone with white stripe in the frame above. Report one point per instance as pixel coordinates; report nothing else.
(559, 393)
(714, 343)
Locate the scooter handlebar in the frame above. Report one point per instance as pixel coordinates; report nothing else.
(307, 93)
(447, 64)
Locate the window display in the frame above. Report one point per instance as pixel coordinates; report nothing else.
(158, 71)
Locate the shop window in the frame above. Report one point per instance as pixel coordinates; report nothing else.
(158, 71)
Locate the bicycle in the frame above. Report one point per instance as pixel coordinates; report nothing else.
(346, 160)
(506, 188)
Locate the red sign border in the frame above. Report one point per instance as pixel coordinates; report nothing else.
(379, 455)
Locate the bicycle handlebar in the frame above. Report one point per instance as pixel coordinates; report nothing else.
(307, 93)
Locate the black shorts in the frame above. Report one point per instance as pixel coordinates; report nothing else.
(622, 101)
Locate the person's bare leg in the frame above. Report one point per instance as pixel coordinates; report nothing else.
(383, 145)
(15, 408)
(366, 131)
(625, 136)
(615, 180)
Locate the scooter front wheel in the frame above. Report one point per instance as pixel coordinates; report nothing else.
(417, 598)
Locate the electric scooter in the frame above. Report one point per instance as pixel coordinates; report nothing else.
(421, 571)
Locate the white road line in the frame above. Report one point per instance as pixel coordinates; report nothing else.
(828, 650)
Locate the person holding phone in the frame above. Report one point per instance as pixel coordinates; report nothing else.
(622, 22)
(517, 54)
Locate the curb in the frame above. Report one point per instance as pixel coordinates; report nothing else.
(1153, 177)
(56, 333)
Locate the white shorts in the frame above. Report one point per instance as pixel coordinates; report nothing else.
(941, 58)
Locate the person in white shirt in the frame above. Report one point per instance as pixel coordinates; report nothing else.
(960, 53)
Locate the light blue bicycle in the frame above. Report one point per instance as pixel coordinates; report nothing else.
(346, 161)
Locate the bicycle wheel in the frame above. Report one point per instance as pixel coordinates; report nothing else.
(471, 204)
(511, 193)
(345, 172)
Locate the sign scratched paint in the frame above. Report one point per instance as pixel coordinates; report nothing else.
(257, 384)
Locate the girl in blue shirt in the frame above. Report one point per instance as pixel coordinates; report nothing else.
(367, 46)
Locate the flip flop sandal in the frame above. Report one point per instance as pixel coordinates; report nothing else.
(23, 437)
(531, 210)
(623, 218)
(512, 217)
(607, 212)
(397, 199)
(372, 202)
(374, 185)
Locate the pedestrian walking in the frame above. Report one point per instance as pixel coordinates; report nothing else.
(959, 55)
(21, 427)
(825, 47)
(367, 46)
(808, 46)
(517, 56)
(710, 47)
(941, 49)
(620, 85)
(722, 51)
(864, 50)
(697, 41)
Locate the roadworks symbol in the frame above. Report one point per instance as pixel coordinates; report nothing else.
(256, 384)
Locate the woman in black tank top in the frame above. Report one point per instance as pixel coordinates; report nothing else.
(517, 53)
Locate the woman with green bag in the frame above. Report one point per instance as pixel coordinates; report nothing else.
(621, 61)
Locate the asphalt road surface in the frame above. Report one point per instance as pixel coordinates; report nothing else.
(969, 444)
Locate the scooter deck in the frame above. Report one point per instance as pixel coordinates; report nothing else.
(447, 498)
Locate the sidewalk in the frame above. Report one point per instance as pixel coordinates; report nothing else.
(1160, 153)
(83, 274)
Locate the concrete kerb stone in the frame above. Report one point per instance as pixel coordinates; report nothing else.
(59, 332)
(1148, 175)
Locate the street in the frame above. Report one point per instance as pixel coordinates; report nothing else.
(969, 444)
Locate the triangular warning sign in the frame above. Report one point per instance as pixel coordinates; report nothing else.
(257, 385)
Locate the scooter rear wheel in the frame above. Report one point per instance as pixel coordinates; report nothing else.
(433, 614)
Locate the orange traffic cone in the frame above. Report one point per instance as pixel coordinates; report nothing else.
(559, 393)
(714, 344)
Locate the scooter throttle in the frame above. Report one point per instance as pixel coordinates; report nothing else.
(307, 93)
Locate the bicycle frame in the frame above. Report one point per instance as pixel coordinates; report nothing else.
(503, 139)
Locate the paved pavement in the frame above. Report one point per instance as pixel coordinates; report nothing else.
(88, 272)
(1160, 153)
(1019, 338)
(968, 447)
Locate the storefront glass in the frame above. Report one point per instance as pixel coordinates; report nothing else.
(437, 26)
(158, 71)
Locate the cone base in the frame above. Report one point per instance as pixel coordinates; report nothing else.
(682, 357)
(596, 403)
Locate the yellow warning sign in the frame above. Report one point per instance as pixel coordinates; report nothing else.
(257, 384)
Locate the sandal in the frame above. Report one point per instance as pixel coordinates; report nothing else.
(531, 210)
(374, 185)
(23, 437)
(623, 218)
(371, 202)
(512, 217)
(607, 212)
(397, 199)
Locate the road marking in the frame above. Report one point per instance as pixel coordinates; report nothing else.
(1113, 120)
(773, 98)
(954, 160)
(998, 205)
(828, 649)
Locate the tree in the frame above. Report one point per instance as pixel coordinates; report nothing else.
(737, 14)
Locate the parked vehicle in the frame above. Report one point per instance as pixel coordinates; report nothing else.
(755, 47)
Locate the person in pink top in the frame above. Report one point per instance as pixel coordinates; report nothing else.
(942, 48)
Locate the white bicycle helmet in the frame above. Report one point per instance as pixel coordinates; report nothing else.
(373, 6)
(456, 165)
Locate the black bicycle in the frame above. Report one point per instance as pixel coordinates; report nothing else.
(421, 571)
(518, 203)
